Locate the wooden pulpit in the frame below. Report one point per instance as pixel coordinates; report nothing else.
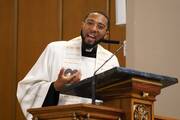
(127, 94)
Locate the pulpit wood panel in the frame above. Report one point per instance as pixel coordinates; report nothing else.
(76, 112)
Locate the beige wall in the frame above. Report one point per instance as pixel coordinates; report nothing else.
(153, 35)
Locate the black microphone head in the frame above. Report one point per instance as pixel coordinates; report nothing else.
(110, 41)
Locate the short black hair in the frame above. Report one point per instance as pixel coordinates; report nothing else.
(102, 13)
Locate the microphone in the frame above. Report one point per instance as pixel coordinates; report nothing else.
(93, 83)
(90, 48)
(110, 41)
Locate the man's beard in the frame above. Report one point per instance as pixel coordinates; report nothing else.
(88, 45)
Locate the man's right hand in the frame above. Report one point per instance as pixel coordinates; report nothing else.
(66, 79)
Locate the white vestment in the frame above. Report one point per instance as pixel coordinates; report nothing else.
(32, 90)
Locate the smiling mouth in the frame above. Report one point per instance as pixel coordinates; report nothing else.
(90, 38)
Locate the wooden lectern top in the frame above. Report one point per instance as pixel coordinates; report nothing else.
(116, 75)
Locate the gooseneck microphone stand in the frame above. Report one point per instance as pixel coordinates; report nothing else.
(93, 83)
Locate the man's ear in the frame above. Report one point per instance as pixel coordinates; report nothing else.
(106, 35)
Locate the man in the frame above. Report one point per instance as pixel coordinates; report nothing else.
(81, 56)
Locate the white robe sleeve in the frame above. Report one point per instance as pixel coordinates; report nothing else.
(32, 90)
(115, 62)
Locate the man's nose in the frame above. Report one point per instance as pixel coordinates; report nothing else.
(95, 27)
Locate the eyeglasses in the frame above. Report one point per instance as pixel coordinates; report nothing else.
(92, 23)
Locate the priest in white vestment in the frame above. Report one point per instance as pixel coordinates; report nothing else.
(43, 83)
